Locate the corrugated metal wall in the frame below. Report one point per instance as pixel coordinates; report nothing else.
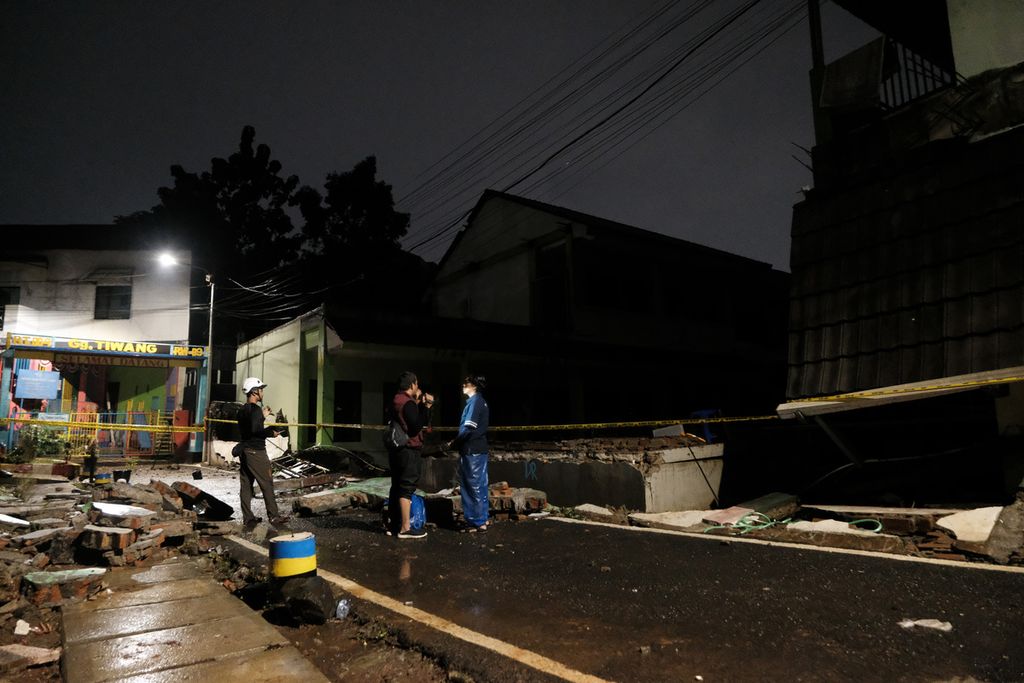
(915, 276)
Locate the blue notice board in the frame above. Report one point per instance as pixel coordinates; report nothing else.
(37, 384)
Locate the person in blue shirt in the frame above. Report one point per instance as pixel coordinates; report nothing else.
(471, 442)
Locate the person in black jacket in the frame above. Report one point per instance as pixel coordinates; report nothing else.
(255, 464)
(411, 408)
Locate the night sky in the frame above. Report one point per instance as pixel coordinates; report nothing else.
(98, 99)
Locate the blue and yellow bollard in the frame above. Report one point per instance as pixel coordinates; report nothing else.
(293, 555)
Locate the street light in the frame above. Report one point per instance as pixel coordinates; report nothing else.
(166, 260)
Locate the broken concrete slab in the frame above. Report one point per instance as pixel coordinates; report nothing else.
(879, 543)
(120, 657)
(34, 538)
(971, 525)
(120, 510)
(51, 588)
(173, 528)
(48, 523)
(9, 521)
(306, 482)
(282, 665)
(728, 516)
(687, 520)
(596, 513)
(834, 526)
(15, 657)
(333, 500)
(138, 494)
(1006, 539)
(900, 520)
(83, 626)
(208, 507)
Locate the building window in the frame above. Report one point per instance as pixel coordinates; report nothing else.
(9, 296)
(113, 302)
(348, 409)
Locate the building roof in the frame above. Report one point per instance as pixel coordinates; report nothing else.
(598, 224)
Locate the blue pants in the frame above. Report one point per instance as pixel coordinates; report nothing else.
(473, 487)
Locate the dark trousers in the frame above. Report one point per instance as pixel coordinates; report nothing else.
(256, 470)
(405, 464)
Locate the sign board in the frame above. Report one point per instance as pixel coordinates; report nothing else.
(138, 348)
(37, 384)
(105, 352)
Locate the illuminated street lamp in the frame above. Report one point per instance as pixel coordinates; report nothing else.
(167, 260)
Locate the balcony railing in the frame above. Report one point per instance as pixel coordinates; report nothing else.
(908, 76)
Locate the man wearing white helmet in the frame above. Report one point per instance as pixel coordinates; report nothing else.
(254, 460)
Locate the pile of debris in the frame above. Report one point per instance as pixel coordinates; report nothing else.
(988, 534)
(611, 449)
(443, 508)
(58, 539)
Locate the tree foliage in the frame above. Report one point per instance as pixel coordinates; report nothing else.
(234, 215)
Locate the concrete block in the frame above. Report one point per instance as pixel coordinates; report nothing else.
(863, 540)
(51, 588)
(685, 520)
(137, 494)
(173, 528)
(900, 520)
(35, 538)
(48, 523)
(106, 538)
(728, 516)
(834, 526)
(11, 522)
(124, 656)
(323, 502)
(971, 525)
(596, 513)
(15, 657)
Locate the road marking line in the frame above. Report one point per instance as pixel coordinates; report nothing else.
(531, 659)
(800, 546)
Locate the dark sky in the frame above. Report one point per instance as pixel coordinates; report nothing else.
(98, 99)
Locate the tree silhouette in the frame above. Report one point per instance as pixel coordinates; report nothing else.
(356, 215)
(234, 216)
(352, 234)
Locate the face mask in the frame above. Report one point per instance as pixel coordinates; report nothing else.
(466, 390)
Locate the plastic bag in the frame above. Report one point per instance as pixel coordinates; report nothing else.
(417, 513)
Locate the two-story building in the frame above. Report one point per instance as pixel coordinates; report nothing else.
(94, 328)
(573, 319)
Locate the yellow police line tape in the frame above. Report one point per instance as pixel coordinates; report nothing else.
(869, 393)
(104, 426)
(179, 429)
(537, 428)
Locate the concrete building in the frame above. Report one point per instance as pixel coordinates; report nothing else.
(90, 305)
(908, 255)
(573, 319)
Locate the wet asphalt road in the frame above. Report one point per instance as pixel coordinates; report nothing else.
(638, 606)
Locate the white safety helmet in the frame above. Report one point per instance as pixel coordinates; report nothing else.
(251, 384)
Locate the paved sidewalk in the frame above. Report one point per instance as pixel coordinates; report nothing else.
(172, 622)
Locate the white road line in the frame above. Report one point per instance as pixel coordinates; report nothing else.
(531, 659)
(799, 546)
